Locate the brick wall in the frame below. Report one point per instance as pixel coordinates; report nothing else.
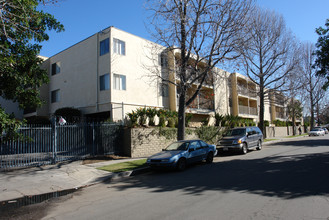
(144, 142)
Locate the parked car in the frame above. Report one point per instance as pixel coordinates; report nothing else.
(316, 132)
(241, 140)
(324, 128)
(181, 153)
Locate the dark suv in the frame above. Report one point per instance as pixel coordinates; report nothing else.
(241, 139)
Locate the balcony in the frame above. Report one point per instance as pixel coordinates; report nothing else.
(242, 90)
(204, 100)
(247, 110)
(280, 115)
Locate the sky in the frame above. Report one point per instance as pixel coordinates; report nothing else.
(82, 18)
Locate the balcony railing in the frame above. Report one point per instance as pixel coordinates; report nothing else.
(280, 115)
(242, 90)
(247, 110)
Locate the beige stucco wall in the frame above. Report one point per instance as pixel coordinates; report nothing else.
(81, 67)
(140, 66)
(221, 90)
(78, 77)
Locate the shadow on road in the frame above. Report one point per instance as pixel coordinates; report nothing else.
(311, 142)
(280, 176)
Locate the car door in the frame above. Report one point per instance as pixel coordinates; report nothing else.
(194, 152)
(204, 150)
(251, 137)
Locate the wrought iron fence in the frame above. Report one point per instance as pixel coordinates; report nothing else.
(42, 145)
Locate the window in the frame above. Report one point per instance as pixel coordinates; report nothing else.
(104, 47)
(195, 145)
(104, 82)
(163, 60)
(164, 90)
(55, 96)
(119, 47)
(119, 82)
(55, 68)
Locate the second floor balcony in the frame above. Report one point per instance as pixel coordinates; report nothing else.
(204, 101)
(243, 90)
(280, 115)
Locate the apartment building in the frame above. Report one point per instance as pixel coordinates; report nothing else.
(114, 72)
(212, 97)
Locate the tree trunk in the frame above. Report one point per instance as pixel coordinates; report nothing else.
(181, 116)
(312, 110)
(293, 122)
(261, 109)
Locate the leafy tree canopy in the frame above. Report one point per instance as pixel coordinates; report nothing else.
(22, 28)
(322, 52)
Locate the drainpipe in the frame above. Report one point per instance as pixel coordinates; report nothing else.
(97, 72)
(110, 73)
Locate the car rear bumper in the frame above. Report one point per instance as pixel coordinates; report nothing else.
(314, 134)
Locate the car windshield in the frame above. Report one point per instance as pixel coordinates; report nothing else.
(316, 129)
(236, 132)
(177, 146)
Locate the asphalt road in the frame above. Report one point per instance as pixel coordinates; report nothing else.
(285, 180)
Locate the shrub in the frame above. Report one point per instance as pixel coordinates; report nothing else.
(219, 119)
(133, 117)
(151, 113)
(188, 117)
(266, 123)
(162, 121)
(141, 112)
(209, 134)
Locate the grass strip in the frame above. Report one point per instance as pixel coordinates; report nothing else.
(267, 140)
(301, 135)
(124, 166)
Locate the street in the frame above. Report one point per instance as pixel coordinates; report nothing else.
(285, 180)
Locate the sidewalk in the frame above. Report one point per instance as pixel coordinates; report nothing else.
(63, 176)
(53, 178)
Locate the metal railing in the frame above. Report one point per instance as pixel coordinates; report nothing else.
(40, 145)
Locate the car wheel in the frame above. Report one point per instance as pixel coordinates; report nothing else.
(259, 145)
(181, 164)
(244, 149)
(210, 157)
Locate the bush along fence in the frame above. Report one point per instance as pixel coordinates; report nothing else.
(164, 119)
(49, 144)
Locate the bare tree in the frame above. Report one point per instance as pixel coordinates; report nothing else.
(198, 35)
(269, 55)
(294, 88)
(312, 83)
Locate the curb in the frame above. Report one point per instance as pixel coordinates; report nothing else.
(282, 139)
(135, 172)
(38, 198)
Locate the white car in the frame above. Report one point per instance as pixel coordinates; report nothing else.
(316, 132)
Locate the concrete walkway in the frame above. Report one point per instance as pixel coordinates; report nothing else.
(54, 178)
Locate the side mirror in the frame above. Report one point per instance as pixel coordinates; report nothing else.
(190, 150)
(163, 149)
